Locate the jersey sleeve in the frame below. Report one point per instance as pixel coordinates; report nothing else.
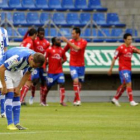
(6, 39)
(64, 56)
(83, 44)
(134, 49)
(117, 53)
(12, 62)
(66, 48)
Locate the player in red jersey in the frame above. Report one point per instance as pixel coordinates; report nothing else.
(55, 56)
(77, 48)
(124, 53)
(40, 45)
(28, 40)
(28, 43)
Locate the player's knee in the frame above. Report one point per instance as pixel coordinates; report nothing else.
(75, 81)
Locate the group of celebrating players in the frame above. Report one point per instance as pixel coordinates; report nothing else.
(23, 67)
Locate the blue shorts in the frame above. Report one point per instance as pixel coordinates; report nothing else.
(125, 76)
(55, 78)
(77, 72)
(39, 73)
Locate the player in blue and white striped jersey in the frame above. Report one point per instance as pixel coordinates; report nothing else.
(15, 60)
(3, 47)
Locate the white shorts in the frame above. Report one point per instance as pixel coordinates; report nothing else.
(13, 79)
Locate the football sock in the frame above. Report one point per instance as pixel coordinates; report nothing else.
(120, 91)
(130, 94)
(62, 94)
(24, 91)
(2, 101)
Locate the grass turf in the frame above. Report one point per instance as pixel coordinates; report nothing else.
(91, 121)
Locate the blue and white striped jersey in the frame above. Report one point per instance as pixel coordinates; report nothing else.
(16, 59)
(4, 42)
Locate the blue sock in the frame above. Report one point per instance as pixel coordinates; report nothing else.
(2, 101)
(8, 106)
(16, 109)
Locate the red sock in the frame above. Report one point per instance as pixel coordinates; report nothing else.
(33, 90)
(130, 94)
(62, 95)
(23, 93)
(42, 94)
(120, 91)
(77, 91)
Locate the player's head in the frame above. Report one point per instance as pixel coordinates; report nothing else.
(41, 32)
(37, 60)
(127, 38)
(32, 33)
(76, 32)
(56, 42)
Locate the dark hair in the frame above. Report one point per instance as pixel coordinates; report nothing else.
(77, 30)
(126, 35)
(53, 40)
(39, 58)
(32, 31)
(40, 29)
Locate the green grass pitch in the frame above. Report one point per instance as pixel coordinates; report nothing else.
(91, 121)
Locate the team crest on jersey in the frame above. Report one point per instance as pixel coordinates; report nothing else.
(56, 56)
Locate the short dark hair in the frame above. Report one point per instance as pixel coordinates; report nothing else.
(126, 35)
(53, 40)
(39, 58)
(77, 30)
(32, 31)
(40, 29)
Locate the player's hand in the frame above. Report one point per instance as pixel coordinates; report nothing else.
(64, 39)
(4, 90)
(110, 72)
(17, 91)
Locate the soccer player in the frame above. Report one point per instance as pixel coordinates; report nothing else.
(124, 53)
(4, 42)
(39, 74)
(77, 47)
(11, 76)
(28, 43)
(55, 56)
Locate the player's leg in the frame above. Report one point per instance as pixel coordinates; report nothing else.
(120, 89)
(9, 100)
(16, 102)
(61, 81)
(35, 80)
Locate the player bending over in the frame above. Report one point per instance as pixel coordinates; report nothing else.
(124, 54)
(55, 56)
(11, 76)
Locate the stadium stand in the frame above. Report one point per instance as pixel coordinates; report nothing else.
(96, 23)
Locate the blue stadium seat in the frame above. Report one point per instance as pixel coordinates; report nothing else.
(102, 37)
(3, 4)
(11, 32)
(117, 34)
(73, 19)
(113, 19)
(100, 19)
(22, 31)
(41, 4)
(33, 18)
(15, 4)
(65, 32)
(81, 4)
(19, 18)
(96, 5)
(53, 32)
(86, 34)
(68, 4)
(44, 17)
(46, 32)
(85, 18)
(55, 4)
(59, 19)
(7, 15)
(29, 4)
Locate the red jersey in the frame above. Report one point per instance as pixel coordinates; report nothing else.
(55, 56)
(28, 42)
(41, 45)
(77, 56)
(124, 54)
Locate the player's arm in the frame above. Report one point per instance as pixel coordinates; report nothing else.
(6, 41)
(136, 50)
(2, 79)
(64, 58)
(70, 44)
(22, 82)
